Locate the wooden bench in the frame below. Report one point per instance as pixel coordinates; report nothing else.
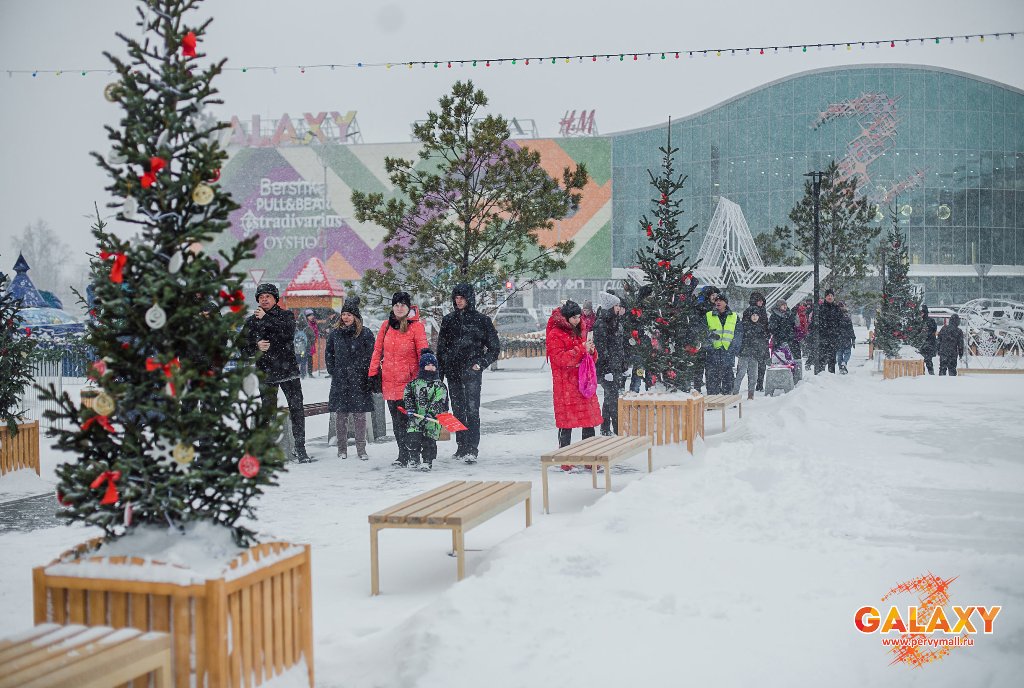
(457, 506)
(83, 656)
(723, 401)
(594, 452)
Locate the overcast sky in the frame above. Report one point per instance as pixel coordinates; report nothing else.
(50, 123)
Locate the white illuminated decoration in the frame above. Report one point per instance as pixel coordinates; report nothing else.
(728, 257)
(993, 333)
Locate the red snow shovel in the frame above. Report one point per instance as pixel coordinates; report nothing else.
(445, 420)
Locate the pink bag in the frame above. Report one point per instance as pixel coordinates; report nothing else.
(588, 376)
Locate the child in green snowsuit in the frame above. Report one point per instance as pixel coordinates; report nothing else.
(426, 396)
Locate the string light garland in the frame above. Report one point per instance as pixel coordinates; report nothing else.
(759, 50)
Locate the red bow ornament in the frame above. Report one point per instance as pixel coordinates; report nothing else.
(650, 232)
(168, 368)
(692, 350)
(149, 178)
(235, 301)
(110, 478)
(661, 321)
(117, 270)
(671, 374)
(635, 335)
(188, 44)
(664, 264)
(28, 331)
(637, 312)
(664, 199)
(104, 422)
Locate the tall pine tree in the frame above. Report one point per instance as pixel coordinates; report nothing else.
(16, 354)
(175, 434)
(899, 312)
(669, 326)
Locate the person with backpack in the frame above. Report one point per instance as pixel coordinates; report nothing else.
(950, 346)
(566, 347)
(396, 362)
(424, 398)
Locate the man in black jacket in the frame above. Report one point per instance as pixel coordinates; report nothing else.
(269, 333)
(610, 342)
(951, 346)
(830, 330)
(466, 344)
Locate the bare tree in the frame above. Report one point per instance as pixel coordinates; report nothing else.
(48, 256)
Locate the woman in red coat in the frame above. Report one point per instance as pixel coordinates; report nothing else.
(566, 346)
(398, 345)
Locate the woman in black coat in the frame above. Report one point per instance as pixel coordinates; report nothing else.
(347, 357)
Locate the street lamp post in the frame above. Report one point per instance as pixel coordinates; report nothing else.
(816, 178)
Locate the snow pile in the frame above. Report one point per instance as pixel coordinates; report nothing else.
(203, 551)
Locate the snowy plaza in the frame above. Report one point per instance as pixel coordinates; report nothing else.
(398, 345)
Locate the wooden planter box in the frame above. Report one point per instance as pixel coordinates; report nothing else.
(21, 450)
(893, 368)
(252, 623)
(664, 420)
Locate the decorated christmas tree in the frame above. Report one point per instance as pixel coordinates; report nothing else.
(16, 353)
(899, 313)
(176, 433)
(669, 328)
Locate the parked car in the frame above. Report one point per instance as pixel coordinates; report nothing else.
(513, 322)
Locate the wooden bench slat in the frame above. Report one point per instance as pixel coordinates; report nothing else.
(28, 635)
(103, 663)
(452, 510)
(426, 506)
(25, 647)
(54, 651)
(470, 491)
(580, 447)
(381, 516)
(481, 511)
(613, 447)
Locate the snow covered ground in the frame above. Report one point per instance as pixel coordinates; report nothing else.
(741, 565)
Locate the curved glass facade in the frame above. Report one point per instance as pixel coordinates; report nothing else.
(949, 145)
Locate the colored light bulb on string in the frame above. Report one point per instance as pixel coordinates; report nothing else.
(892, 44)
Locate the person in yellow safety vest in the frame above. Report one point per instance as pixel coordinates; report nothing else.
(725, 337)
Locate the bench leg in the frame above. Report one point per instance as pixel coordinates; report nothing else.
(374, 565)
(741, 409)
(544, 483)
(593, 474)
(460, 551)
(723, 419)
(607, 477)
(529, 513)
(162, 676)
(650, 460)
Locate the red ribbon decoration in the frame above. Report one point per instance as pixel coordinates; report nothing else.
(637, 312)
(110, 478)
(188, 44)
(664, 264)
(168, 368)
(236, 300)
(104, 422)
(28, 331)
(635, 335)
(650, 232)
(149, 178)
(117, 271)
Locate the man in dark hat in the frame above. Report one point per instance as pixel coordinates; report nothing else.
(269, 335)
(929, 343)
(830, 331)
(466, 344)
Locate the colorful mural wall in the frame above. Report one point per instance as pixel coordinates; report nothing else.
(297, 201)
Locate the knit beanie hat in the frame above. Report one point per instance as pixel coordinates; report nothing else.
(401, 297)
(607, 301)
(570, 308)
(427, 357)
(268, 288)
(351, 305)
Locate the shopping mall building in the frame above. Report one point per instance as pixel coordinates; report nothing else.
(945, 143)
